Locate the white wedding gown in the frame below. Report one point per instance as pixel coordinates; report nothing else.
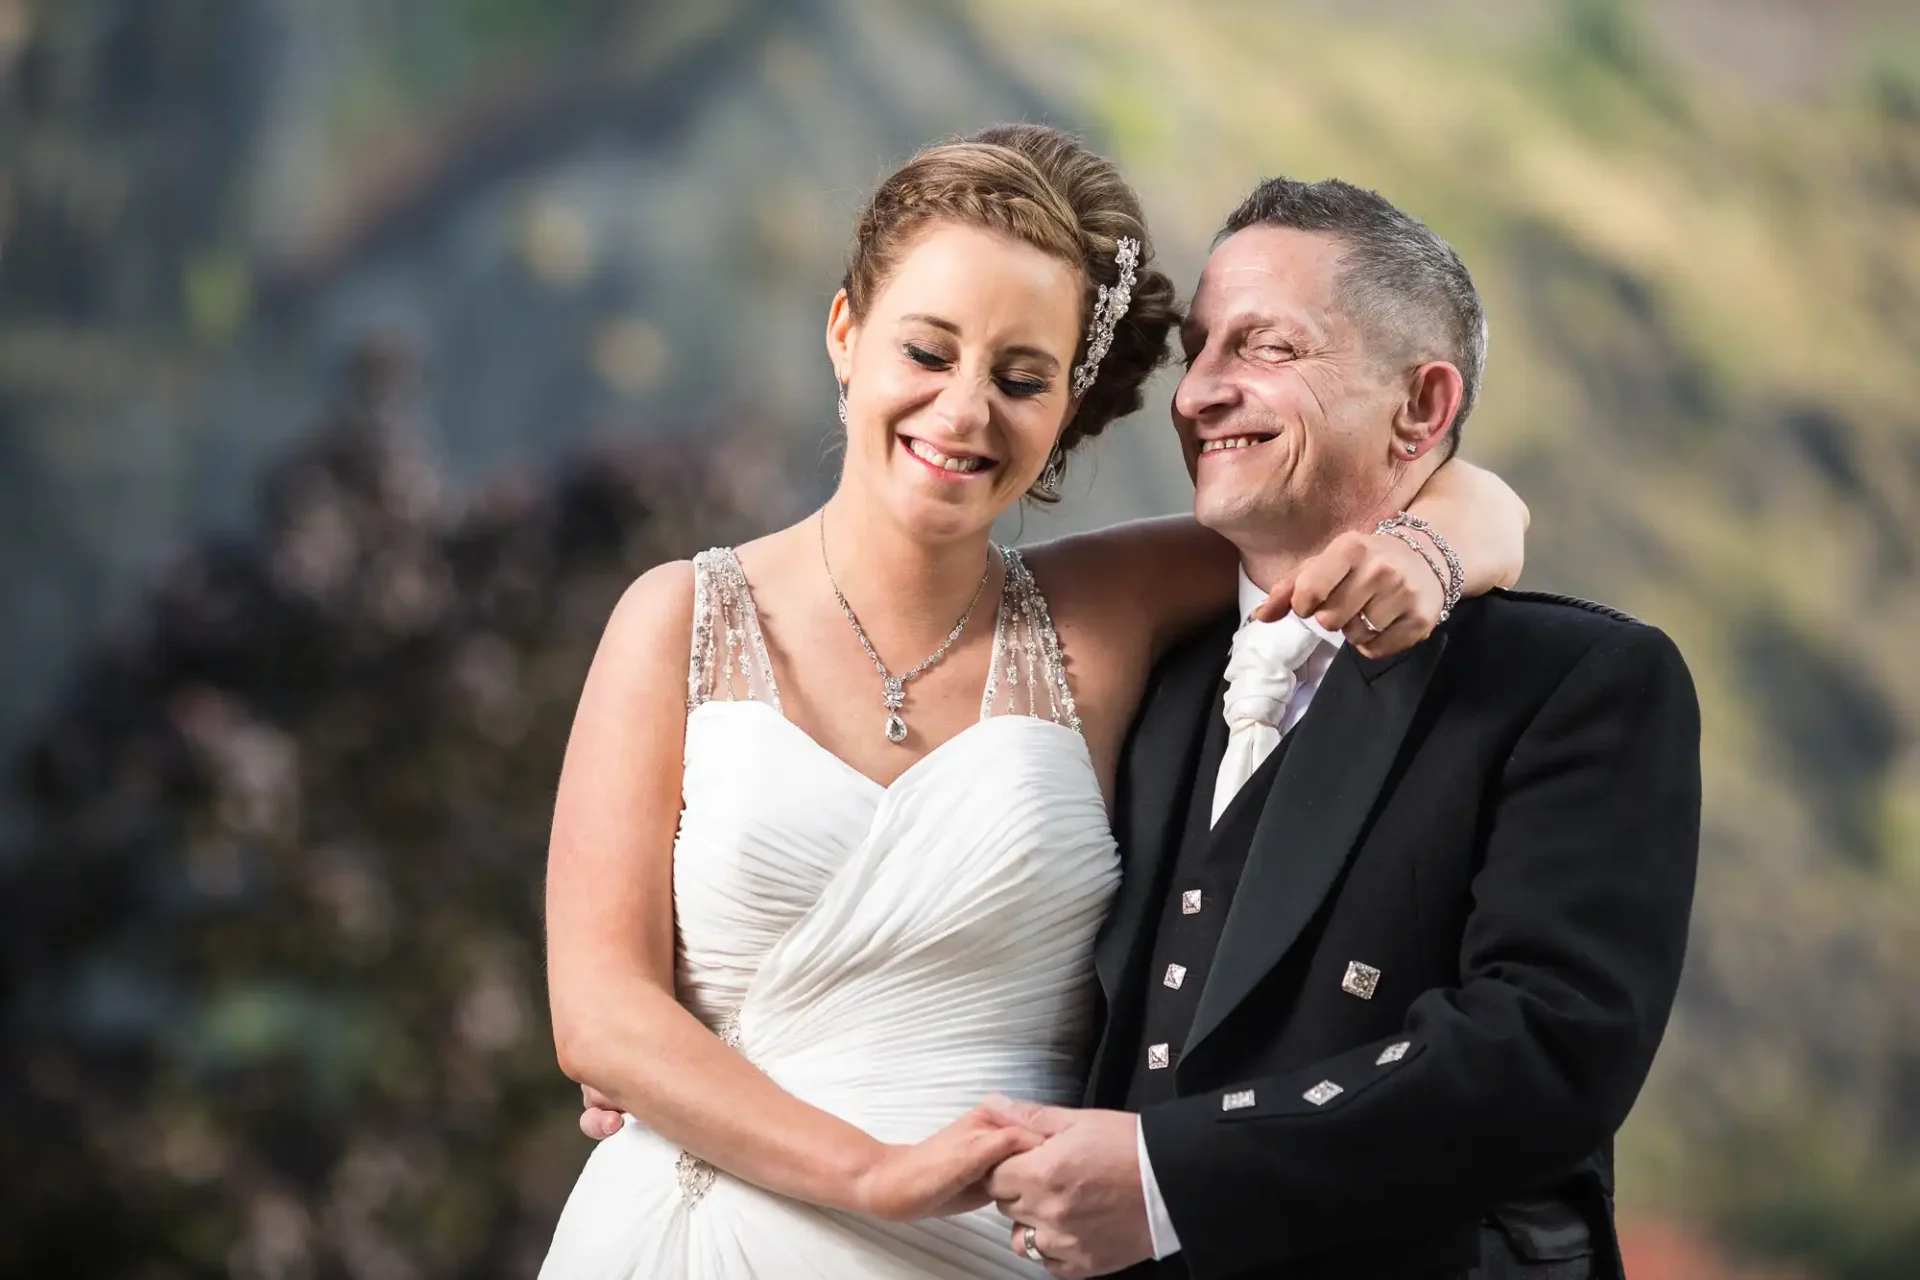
(889, 954)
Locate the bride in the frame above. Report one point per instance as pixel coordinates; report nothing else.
(831, 844)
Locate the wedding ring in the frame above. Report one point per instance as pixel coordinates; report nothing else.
(1029, 1247)
(1368, 623)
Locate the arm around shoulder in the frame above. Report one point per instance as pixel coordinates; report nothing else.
(1152, 580)
(1482, 517)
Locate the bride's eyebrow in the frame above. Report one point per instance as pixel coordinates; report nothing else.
(1034, 354)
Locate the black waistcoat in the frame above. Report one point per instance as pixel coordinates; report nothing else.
(1193, 913)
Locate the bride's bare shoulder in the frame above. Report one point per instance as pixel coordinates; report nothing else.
(650, 629)
(661, 595)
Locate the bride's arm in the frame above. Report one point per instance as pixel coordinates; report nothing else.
(610, 953)
(1484, 519)
(1165, 576)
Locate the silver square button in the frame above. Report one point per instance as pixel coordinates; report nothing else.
(1237, 1101)
(1190, 903)
(1393, 1053)
(1176, 974)
(1362, 980)
(1159, 1057)
(1323, 1093)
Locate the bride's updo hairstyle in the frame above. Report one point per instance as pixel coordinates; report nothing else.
(1039, 186)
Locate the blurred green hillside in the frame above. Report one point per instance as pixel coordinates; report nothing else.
(233, 955)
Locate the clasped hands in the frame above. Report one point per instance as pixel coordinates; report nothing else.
(1079, 1189)
(1073, 1176)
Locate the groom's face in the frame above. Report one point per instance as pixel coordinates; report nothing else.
(1284, 417)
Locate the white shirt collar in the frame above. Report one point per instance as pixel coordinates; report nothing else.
(1251, 597)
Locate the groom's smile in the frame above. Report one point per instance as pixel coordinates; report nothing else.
(1224, 444)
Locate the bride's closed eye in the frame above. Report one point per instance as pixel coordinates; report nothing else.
(1020, 388)
(924, 358)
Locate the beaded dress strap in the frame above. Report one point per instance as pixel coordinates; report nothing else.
(728, 661)
(1028, 675)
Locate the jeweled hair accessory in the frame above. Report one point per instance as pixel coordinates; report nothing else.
(1107, 310)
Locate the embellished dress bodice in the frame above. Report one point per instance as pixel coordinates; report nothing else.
(891, 954)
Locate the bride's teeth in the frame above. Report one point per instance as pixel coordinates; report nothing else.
(928, 453)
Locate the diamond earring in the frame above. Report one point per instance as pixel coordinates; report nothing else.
(1050, 478)
(1412, 449)
(843, 404)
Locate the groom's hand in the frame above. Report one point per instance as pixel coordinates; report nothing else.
(1079, 1190)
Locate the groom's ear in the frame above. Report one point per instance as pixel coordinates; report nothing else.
(1433, 397)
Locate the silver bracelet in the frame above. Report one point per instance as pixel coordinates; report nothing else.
(1455, 578)
(1426, 555)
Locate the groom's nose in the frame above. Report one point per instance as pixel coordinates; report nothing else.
(1203, 391)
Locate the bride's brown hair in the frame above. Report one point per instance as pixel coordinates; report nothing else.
(1039, 186)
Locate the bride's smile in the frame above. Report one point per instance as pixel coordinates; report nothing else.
(952, 463)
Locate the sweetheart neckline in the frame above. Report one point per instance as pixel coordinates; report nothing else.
(886, 789)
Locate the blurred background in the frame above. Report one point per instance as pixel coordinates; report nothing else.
(354, 354)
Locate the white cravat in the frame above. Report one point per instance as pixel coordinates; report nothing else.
(1262, 676)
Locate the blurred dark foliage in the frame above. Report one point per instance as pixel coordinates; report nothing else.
(273, 998)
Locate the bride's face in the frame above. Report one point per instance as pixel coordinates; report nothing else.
(958, 377)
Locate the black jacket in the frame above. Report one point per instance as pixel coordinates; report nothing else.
(1504, 823)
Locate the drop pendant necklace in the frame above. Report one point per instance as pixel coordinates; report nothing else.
(895, 687)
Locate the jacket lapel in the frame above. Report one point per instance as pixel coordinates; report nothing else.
(1156, 772)
(1321, 798)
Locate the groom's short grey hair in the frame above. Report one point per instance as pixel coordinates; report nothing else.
(1405, 286)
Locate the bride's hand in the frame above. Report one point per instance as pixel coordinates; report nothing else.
(600, 1115)
(1376, 590)
(943, 1175)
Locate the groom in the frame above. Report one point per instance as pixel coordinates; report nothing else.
(1396, 940)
